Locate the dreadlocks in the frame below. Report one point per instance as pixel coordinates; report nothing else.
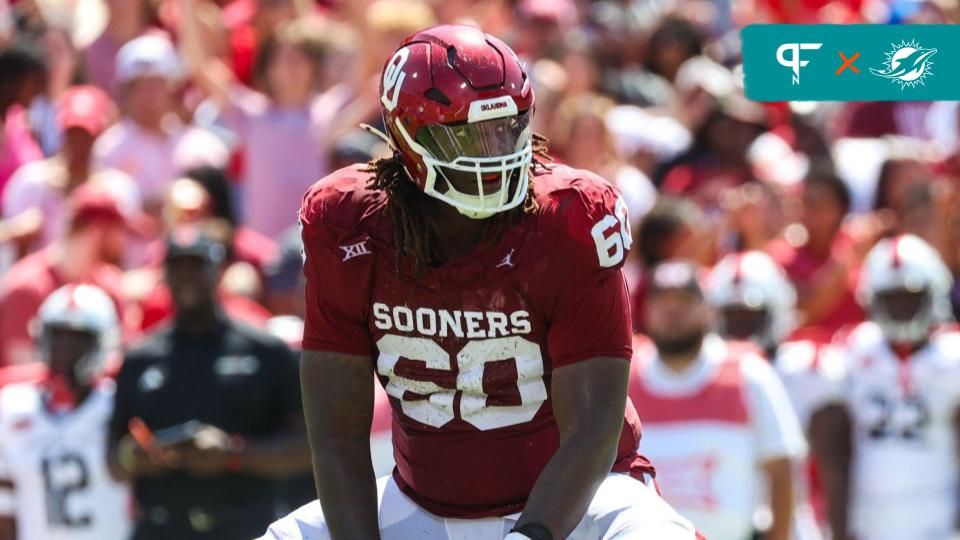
(415, 231)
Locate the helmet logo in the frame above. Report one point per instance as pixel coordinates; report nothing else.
(393, 77)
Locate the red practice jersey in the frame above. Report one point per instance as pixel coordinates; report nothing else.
(466, 352)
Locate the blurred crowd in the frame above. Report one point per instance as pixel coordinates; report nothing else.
(123, 120)
(187, 111)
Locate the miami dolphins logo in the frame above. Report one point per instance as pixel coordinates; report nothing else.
(907, 64)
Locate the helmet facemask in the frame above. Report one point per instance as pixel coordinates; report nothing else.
(747, 323)
(904, 315)
(75, 352)
(480, 168)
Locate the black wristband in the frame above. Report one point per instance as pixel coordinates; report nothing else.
(534, 531)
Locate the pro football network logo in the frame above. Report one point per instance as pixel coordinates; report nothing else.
(907, 64)
(794, 62)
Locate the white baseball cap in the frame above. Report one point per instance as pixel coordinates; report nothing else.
(147, 56)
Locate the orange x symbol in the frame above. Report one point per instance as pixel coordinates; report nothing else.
(848, 62)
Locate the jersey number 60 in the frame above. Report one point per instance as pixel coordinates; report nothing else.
(432, 404)
(612, 236)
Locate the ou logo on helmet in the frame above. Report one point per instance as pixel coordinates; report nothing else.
(393, 77)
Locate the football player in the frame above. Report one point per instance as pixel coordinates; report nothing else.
(716, 418)
(755, 302)
(54, 482)
(484, 288)
(902, 391)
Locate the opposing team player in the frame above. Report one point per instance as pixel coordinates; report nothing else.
(903, 394)
(716, 419)
(54, 481)
(755, 302)
(484, 290)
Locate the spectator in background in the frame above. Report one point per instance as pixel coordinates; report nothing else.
(929, 211)
(128, 19)
(245, 244)
(716, 420)
(900, 171)
(724, 125)
(24, 70)
(228, 398)
(823, 259)
(239, 289)
(87, 252)
(674, 41)
(283, 130)
(542, 27)
(584, 141)
(674, 228)
(249, 24)
(84, 113)
(63, 70)
(150, 143)
(579, 135)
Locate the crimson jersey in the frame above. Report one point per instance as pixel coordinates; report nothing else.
(466, 352)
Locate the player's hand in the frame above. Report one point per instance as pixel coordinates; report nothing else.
(211, 452)
(139, 460)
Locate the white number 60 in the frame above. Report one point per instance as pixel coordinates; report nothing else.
(612, 236)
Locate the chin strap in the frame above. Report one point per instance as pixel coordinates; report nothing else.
(380, 134)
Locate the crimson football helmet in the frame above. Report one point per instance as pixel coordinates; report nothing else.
(456, 103)
(906, 287)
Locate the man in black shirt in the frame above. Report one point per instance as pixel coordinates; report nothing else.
(207, 413)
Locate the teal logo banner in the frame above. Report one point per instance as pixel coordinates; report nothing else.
(857, 62)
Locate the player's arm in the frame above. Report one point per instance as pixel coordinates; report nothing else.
(196, 32)
(338, 406)
(589, 344)
(588, 402)
(956, 431)
(779, 473)
(8, 502)
(831, 446)
(8, 523)
(336, 369)
(280, 456)
(8, 528)
(780, 440)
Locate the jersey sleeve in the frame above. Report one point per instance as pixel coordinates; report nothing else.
(337, 290)
(590, 313)
(778, 432)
